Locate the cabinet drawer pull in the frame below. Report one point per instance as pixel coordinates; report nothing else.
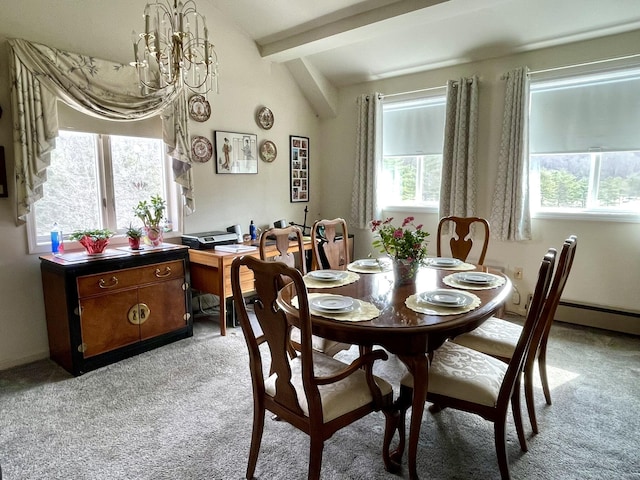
(166, 273)
(139, 313)
(103, 284)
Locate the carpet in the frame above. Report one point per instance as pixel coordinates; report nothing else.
(183, 411)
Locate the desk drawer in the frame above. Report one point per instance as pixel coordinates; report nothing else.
(246, 280)
(132, 277)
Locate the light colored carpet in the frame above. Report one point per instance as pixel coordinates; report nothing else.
(183, 411)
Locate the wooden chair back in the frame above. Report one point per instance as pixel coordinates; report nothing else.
(538, 349)
(283, 238)
(284, 381)
(329, 239)
(461, 242)
(531, 324)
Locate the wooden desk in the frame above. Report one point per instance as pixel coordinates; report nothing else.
(211, 273)
(400, 330)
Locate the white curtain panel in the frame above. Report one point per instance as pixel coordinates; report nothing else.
(458, 186)
(40, 76)
(510, 212)
(364, 206)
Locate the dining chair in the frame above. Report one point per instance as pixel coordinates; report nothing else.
(283, 238)
(313, 392)
(330, 245)
(461, 242)
(468, 380)
(498, 337)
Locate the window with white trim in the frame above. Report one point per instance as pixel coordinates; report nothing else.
(412, 142)
(584, 144)
(95, 181)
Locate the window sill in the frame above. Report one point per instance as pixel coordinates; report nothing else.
(115, 241)
(626, 217)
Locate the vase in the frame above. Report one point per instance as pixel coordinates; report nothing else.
(405, 271)
(94, 246)
(153, 236)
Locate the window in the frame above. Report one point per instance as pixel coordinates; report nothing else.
(584, 145)
(96, 180)
(412, 142)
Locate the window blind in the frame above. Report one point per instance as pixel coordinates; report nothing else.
(413, 127)
(585, 113)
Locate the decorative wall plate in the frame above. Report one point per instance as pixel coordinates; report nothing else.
(201, 149)
(265, 118)
(199, 108)
(268, 151)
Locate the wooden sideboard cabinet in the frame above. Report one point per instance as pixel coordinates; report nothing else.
(102, 309)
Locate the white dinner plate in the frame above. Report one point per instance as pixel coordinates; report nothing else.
(368, 263)
(446, 298)
(333, 304)
(475, 278)
(327, 275)
(444, 262)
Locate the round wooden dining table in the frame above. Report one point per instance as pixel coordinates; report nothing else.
(399, 329)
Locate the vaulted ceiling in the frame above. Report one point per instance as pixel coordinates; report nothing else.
(328, 44)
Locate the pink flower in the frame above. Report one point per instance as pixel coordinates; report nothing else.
(398, 233)
(419, 227)
(407, 221)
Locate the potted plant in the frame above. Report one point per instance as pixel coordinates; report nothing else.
(134, 234)
(405, 245)
(151, 214)
(94, 241)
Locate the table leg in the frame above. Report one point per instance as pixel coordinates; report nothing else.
(419, 368)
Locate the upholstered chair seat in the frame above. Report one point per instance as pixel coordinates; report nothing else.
(462, 373)
(495, 337)
(338, 398)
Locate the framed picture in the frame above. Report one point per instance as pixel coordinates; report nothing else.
(4, 192)
(299, 168)
(236, 152)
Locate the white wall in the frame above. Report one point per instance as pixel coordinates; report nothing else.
(606, 271)
(103, 29)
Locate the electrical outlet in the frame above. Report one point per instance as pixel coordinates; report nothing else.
(528, 304)
(517, 273)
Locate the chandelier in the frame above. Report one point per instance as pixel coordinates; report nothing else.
(175, 49)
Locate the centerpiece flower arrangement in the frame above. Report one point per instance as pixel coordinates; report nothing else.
(151, 214)
(406, 245)
(94, 241)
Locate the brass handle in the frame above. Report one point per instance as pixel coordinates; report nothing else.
(167, 272)
(139, 313)
(103, 284)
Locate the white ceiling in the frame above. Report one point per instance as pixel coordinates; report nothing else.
(342, 42)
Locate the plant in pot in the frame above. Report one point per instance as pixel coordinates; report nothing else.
(151, 214)
(134, 234)
(94, 241)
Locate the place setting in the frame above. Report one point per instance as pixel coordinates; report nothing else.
(448, 263)
(443, 301)
(370, 265)
(329, 278)
(340, 307)
(474, 280)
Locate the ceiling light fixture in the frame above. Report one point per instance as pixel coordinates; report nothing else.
(175, 49)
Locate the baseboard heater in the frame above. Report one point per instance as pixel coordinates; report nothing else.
(599, 317)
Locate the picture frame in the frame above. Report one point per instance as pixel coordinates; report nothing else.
(298, 168)
(4, 192)
(236, 152)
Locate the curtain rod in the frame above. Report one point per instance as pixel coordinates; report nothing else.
(595, 62)
(413, 91)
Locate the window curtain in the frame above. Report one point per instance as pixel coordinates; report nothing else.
(458, 185)
(510, 213)
(41, 75)
(364, 206)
